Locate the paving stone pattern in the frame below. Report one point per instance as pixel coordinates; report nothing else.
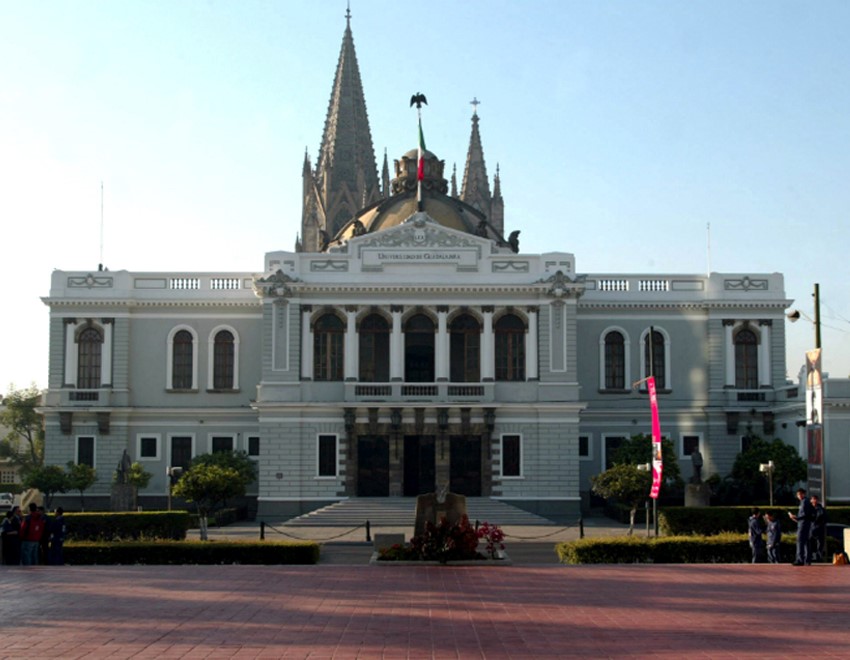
(339, 611)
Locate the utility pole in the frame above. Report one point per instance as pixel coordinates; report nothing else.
(816, 296)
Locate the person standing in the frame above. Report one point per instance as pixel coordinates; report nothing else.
(57, 538)
(12, 537)
(774, 538)
(32, 529)
(818, 540)
(756, 528)
(804, 518)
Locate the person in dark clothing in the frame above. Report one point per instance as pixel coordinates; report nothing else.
(756, 528)
(32, 529)
(774, 538)
(57, 538)
(44, 542)
(11, 535)
(804, 518)
(818, 539)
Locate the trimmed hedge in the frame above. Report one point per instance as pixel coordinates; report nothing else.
(680, 520)
(191, 552)
(717, 549)
(126, 526)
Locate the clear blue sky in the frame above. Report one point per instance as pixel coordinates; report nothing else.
(622, 129)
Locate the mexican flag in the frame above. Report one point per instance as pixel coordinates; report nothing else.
(420, 169)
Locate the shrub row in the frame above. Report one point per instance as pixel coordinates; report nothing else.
(723, 548)
(191, 552)
(673, 521)
(125, 526)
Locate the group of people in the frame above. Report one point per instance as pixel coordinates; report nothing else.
(32, 539)
(811, 532)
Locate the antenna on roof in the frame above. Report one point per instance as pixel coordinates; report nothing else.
(100, 264)
(708, 248)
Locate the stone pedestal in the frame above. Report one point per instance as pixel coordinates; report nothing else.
(429, 509)
(123, 497)
(697, 495)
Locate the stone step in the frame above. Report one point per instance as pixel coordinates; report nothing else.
(400, 512)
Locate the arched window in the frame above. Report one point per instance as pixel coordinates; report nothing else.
(419, 349)
(746, 360)
(510, 348)
(615, 361)
(328, 348)
(465, 349)
(659, 359)
(89, 354)
(182, 361)
(224, 359)
(374, 349)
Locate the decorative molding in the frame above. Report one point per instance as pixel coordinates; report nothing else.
(745, 284)
(329, 265)
(510, 266)
(419, 231)
(90, 281)
(274, 286)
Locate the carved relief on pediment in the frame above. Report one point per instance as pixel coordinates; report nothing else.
(419, 231)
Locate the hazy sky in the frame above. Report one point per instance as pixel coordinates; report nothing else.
(622, 130)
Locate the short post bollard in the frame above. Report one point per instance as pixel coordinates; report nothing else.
(581, 528)
(368, 532)
(262, 530)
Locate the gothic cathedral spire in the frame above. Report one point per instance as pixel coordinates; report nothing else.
(475, 189)
(346, 174)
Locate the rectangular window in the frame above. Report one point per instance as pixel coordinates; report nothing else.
(253, 445)
(181, 451)
(221, 443)
(148, 447)
(584, 446)
(7, 477)
(612, 444)
(511, 456)
(690, 444)
(746, 441)
(85, 451)
(327, 456)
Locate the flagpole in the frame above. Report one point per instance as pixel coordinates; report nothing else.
(418, 99)
(652, 376)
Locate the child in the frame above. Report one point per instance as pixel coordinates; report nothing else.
(774, 536)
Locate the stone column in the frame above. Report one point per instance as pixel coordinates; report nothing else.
(531, 364)
(441, 346)
(351, 343)
(488, 352)
(106, 353)
(306, 343)
(70, 377)
(764, 354)
(729, 346)
(396, 345)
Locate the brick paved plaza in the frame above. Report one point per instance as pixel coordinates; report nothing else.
(336, 611)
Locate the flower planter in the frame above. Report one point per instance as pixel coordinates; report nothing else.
(502, 559)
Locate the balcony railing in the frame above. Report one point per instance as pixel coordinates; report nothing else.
(402, 392)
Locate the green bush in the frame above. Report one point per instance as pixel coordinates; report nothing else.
(676, 521)
(191, 552)
(126, 526)
(723, 548)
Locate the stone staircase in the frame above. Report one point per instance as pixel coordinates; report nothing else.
(400, 512)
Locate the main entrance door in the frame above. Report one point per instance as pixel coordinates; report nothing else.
(373, 466)
(465, 466)
(419, 465)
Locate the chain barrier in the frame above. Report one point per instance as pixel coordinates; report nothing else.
(580, 525)
(299, 538)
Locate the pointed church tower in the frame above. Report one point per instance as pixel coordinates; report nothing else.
(475, 189)
(346, 173)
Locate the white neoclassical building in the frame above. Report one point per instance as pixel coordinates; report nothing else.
(403, 347)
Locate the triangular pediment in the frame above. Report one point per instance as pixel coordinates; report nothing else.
(419, 231)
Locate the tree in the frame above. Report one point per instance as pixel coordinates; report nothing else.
(626, 484)
(80, 477)
(138, 477)
(236, 460)
(788, 470)
(208, 485)
(49, 479)
(637, 450)
(24, 443)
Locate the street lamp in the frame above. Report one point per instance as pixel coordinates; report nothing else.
(794, 315)
(647, 467)
(768, 468)
(172, 474)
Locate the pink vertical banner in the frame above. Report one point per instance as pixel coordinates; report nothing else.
(657, 462)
